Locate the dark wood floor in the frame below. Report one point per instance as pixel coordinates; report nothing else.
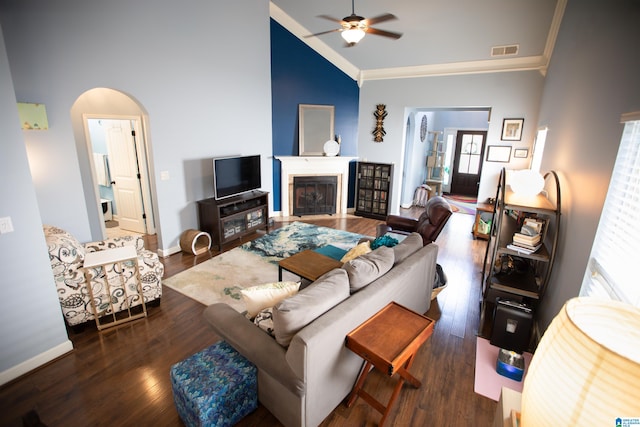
(120, 377)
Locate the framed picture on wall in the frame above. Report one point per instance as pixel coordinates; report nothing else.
(498, 153)
(520, 153)
(512, 129)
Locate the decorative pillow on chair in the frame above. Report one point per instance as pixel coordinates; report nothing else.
(355, 252)
(259, 297)
(367, 268)
(384, 240)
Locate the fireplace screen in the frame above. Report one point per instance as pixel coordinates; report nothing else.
(313, 195)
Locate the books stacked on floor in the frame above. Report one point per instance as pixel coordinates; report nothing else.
(529, 239)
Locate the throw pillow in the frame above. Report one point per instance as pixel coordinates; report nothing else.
(367, 268)
(384, 240)
(359, 249)
(267, 295)
(408, 246)
(296, 312)
(264, 320)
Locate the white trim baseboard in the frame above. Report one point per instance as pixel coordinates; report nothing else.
(35, 362)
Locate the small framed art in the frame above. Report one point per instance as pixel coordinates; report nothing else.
(520, 153)
(498, 153)
(512, 129)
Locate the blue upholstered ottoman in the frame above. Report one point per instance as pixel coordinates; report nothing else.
(215, 387)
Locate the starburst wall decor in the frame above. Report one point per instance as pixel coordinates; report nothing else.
(379, 114)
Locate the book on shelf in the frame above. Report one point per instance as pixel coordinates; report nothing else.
(534, 224)
(524, 249)
(528, 240)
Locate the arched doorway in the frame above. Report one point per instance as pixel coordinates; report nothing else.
(105, 105)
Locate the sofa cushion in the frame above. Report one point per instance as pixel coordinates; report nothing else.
(367, 268)
(408, 246)
(266, 295)
(294, 313)
(355, 252)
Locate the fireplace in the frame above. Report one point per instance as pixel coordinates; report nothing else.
(313, 166)
(314, 195)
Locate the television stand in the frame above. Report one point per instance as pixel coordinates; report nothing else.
(233, 217)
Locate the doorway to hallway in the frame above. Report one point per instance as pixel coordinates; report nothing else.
(121, 173)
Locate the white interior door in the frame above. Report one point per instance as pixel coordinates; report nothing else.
(125, 176)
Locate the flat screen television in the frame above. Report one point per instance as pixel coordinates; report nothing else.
(235, 175)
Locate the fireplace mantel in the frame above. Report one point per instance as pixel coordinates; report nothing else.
(312, 166)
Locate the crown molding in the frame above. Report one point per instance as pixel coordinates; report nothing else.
(539, 63)
(457, 68)
(314, 43)
(553, 33)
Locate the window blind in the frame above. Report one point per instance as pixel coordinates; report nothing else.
(612, 269)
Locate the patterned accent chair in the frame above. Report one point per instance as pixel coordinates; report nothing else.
(66, 255)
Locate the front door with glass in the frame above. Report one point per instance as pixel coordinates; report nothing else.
(467, 163)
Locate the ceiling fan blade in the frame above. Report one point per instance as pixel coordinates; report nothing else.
(324, 32)
(381, 18)
(384, 33)
(331, 18)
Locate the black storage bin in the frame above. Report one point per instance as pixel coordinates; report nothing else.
(512, 322)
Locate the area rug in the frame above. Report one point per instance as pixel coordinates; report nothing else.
(462, 204)
(488, 382)
(221, 278)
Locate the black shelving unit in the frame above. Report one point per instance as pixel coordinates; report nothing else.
(528, 283)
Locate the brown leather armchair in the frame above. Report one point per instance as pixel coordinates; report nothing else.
(429, 225)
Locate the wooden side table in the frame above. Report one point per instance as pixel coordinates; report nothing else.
(480, 208)
(388, 341)
(100, 260)
(308, 264)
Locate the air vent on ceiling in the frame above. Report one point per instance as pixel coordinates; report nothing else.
(505, 50)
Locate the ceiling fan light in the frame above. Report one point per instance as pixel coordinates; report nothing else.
(353, 35)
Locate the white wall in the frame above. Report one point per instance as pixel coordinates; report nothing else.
(592, 80)
(204, 85)
(415, 156)
(174, 59)
(510, 94)
(32, 331)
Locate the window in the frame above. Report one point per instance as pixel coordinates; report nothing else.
(538, 149)
(614, 255)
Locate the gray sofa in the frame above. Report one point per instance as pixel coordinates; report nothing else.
(303, 383)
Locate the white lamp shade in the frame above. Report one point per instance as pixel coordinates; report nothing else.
(353, 35)
(526, 182)
(586, 369)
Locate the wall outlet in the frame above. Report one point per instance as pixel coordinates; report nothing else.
(6, 226)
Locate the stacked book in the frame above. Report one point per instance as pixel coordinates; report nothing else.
(529, 239)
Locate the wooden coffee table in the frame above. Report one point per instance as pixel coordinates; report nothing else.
(308, 264)
(388, 341)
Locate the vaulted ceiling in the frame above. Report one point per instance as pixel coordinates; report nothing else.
(440, 37)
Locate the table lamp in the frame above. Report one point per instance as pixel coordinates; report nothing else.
(586, 369)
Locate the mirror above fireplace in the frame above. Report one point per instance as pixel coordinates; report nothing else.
(315, 128)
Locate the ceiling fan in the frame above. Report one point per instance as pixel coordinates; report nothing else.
(354, 27)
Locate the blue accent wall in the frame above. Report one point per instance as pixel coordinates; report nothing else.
(300, 76)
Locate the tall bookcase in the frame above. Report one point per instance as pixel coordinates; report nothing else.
(513, 274)
(435, 158)
(373, 189)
